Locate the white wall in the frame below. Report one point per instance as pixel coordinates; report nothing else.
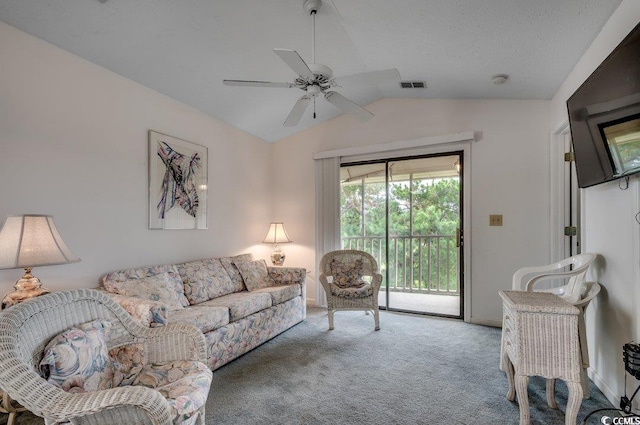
(509, 176)
(73, 144)
(609, 229)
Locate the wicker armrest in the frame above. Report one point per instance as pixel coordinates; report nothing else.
(146, 312)
(97, 406)
(324, 282)
(179, 341)
(287, 275)
(376, 281)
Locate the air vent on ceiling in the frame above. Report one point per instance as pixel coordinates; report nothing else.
(413, 84)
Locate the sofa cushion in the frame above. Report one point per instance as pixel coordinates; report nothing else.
(123, 282)
(205, 280)
(353, 292)
(128, 361)
(254, 274)
(205, 318)
(185, 384)
(280, 294)
(241, 304)
(229, 264)
(156, 288)
(77, 360)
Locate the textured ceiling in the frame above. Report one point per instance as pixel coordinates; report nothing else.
(185, 48)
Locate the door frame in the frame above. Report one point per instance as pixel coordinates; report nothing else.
(558, 192)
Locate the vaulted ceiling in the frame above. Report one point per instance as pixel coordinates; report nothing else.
(185, 48)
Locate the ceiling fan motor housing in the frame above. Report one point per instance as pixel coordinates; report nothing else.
(311, 6)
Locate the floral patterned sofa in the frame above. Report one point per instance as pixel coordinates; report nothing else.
(237, 303)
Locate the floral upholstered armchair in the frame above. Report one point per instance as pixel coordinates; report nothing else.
(77, 357)
(351, 281)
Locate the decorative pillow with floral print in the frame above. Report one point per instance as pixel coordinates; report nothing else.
(347, 275)
(255, 274)
(205, 280)
(159, 288)
(77, 360)
(114, 282)
(230, 265)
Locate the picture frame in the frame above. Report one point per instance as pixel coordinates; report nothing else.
(178, 179)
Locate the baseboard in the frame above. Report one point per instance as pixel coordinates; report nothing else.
(484, 322)
(602, 385)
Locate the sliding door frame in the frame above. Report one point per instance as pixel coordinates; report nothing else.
(463, 141)
(460, 153)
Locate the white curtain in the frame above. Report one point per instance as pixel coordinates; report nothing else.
(327, 214)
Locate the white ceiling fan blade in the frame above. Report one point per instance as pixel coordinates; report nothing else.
(346, 105)
(295, 62)
(248, 83)
(297, 111)
(373, 77)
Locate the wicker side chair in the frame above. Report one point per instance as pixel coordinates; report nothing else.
(341, 276)
(26, 328)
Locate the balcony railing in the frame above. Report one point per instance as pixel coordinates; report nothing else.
(419, 264)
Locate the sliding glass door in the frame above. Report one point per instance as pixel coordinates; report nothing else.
(407, 213)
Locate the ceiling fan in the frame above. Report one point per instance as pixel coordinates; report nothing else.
(316, 79)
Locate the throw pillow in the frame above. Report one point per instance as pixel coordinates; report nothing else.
(205, 280)
(230, 265)
(347, 275)
(77, 360)
(114, 281)
(159, 287)
(255, 274)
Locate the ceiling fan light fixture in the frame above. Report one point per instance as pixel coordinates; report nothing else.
(499, 79)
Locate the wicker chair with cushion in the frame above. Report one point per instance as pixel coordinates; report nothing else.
(351, 281)
(77, 357)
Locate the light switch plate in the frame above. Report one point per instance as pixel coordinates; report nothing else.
(495, 220)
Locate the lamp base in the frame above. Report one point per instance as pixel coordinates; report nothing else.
(277, 256)
(28, 286)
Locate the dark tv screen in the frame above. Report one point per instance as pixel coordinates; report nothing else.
(604, 115)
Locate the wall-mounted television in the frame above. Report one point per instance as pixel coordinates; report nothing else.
(604, 116)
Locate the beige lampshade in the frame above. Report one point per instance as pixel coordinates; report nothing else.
(276, 234)
(30, 241)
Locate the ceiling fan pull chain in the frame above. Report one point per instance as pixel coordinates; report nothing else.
(314, 108)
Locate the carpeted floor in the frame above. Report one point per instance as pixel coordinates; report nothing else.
(415, 370)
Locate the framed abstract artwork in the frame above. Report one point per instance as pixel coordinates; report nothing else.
(177, 183)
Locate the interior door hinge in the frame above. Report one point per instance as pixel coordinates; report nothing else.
(570, 231)
(569, 157)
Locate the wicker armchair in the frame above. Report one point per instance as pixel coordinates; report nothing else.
(341, 277)
(26, 328)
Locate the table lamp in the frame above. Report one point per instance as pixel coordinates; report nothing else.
(28, 241)
(277, 235)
